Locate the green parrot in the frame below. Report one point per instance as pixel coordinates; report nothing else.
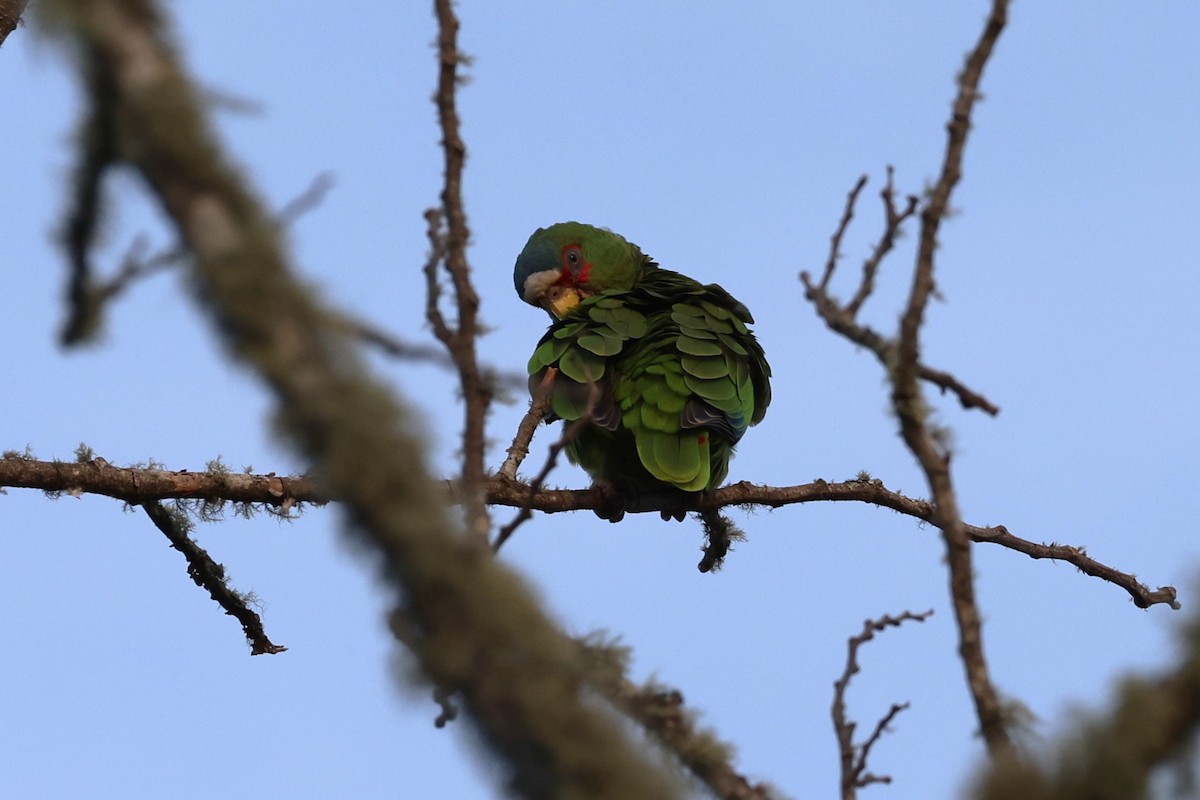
(669, 370)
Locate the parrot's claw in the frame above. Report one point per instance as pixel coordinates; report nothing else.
(609, 500)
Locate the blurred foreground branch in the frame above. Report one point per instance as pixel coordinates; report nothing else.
(661, 711)
(477, 629)
(1153, 722)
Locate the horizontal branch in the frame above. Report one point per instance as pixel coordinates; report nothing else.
(135, 485)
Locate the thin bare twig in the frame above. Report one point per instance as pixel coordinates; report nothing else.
(893, 220)
(570, 432)
(433, 286)
(842, 319)
(853, 758)
(87, 295)
(835, 241)
(306, 201)
(79, 229)
(210, 576)
(539, 404)
(392, 346)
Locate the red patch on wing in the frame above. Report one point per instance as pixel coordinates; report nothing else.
(701, 439)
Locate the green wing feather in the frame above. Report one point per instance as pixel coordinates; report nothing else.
(673, 375)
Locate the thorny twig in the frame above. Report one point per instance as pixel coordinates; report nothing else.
(901, 358)
(894, 219)
(449, 247)
(907, 399)
(853, 758)
(843, 318)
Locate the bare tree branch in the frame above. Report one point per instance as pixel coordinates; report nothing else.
(842, 318)
(924, 440)
(306, 201)
(853, 758)
(835, 241)
(137, 486)
(477, 391)
(209, 575)
(901, 358)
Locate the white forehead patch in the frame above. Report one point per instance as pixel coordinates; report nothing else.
(537, 284)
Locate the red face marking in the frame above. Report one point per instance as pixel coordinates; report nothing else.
(574, 269)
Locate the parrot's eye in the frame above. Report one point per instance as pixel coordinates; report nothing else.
(572, 257)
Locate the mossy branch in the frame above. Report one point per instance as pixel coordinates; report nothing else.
(136, 485)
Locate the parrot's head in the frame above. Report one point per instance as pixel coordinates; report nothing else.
(564, 263)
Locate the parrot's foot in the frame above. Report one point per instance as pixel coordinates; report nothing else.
(677, 514)
(609, 500)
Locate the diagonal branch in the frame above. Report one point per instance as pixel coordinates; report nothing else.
(570, 432)
(538, 406)
(894, 218)
(210, 576)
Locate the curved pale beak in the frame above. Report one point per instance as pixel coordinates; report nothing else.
(559, 300)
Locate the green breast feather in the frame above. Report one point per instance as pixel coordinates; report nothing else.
(673, 375)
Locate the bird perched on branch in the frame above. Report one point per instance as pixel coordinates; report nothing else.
(661, 368)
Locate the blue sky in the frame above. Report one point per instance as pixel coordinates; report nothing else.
(723, 141)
